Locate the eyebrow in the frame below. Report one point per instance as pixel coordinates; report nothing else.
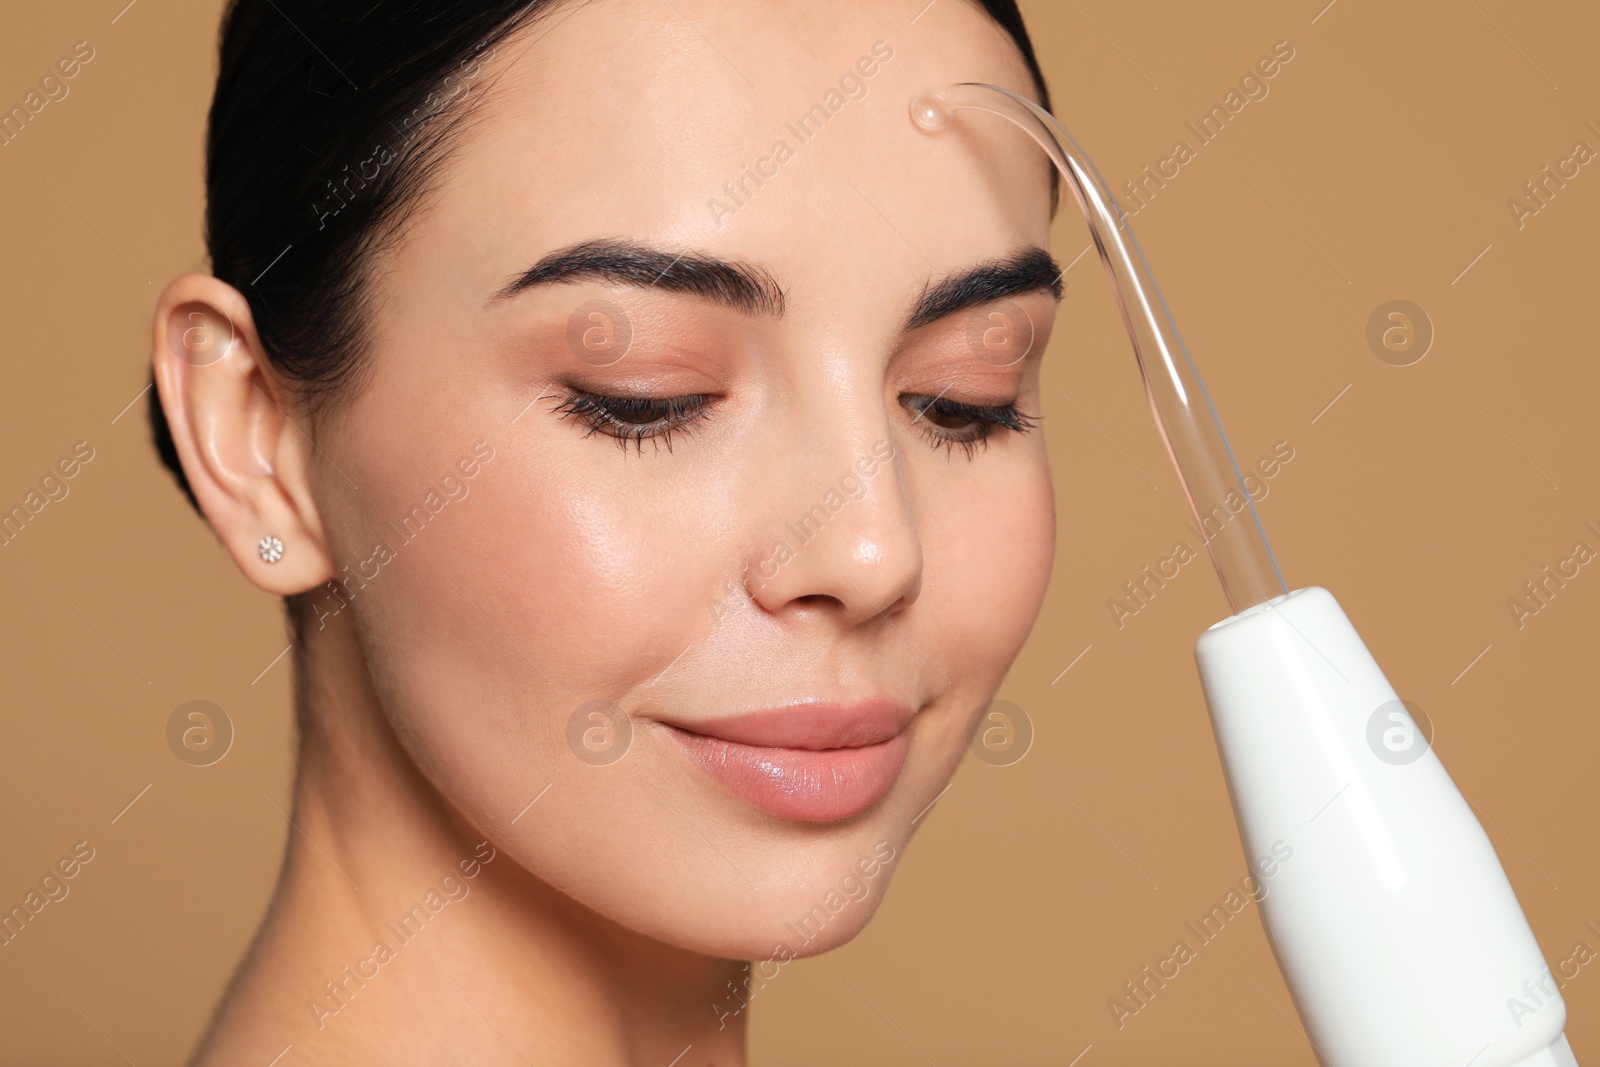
(738, 286)
(1026, 270)
(752, 290)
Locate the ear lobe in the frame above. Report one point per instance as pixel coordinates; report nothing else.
(231, 419)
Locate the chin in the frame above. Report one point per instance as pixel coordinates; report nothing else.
(811, 916)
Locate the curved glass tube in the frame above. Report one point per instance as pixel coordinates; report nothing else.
(1224, 513)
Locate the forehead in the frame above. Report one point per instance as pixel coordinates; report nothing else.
(769, 132)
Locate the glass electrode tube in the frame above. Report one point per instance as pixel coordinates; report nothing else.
(1220, 504)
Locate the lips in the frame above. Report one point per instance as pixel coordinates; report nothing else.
(811, 762)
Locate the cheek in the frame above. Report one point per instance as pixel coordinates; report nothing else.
(989, 544)
(991, 571)
(568, 584)
(613, 571)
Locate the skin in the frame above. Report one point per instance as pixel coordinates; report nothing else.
(436, 699)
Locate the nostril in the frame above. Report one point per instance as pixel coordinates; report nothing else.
(817, 601)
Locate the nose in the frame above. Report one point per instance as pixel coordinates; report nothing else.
(841, 537)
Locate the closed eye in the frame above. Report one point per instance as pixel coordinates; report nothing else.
(948, 423)
(633, 420)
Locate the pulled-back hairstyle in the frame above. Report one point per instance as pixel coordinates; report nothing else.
(328, 121)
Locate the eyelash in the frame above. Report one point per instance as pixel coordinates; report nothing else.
(612, 416)
(617, 417)
(978, 421)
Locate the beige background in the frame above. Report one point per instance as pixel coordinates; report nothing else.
(1379, 167)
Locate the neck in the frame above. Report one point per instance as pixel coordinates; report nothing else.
(399, 932)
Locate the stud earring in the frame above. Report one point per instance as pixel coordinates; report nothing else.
(270, 549)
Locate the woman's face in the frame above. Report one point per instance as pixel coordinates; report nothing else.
(714, 531)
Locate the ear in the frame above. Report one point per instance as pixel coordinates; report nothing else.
(233, 424)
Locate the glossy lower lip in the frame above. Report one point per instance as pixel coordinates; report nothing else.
(815, 761)
(808, 784)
